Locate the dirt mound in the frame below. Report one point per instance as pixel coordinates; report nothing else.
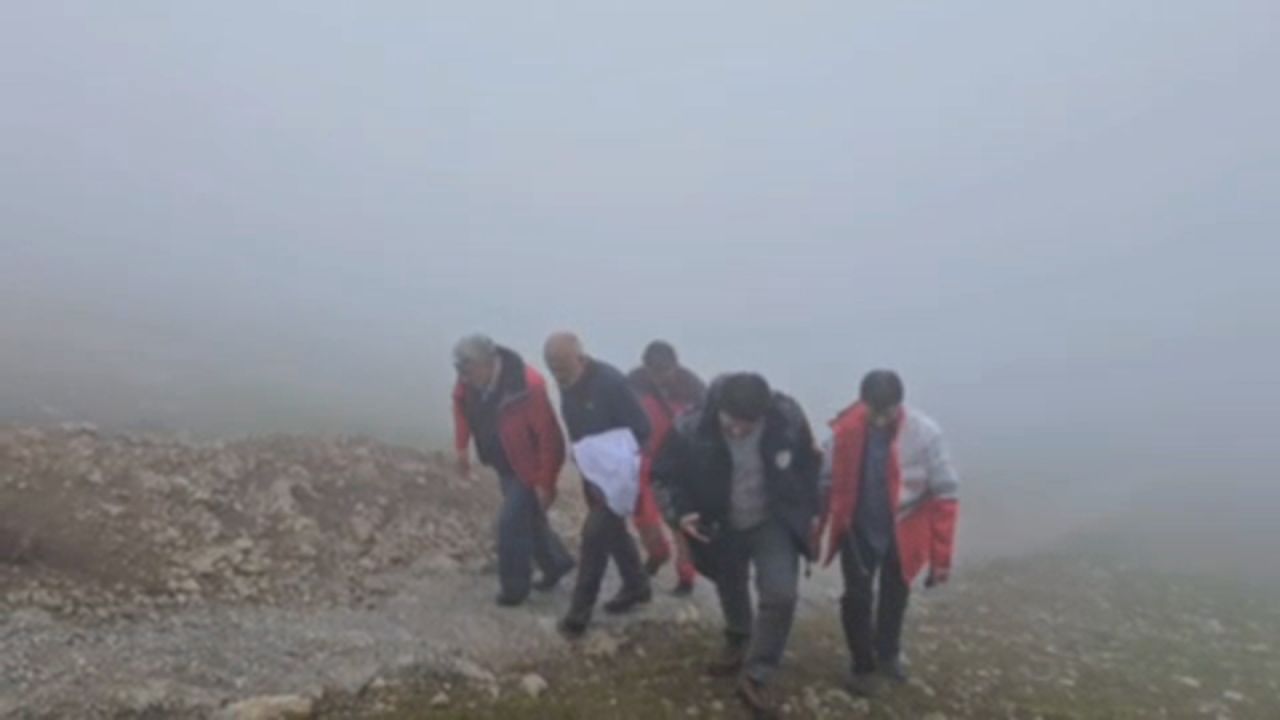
(95, 523)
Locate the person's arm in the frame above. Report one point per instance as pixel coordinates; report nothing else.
(668, 472)
(806, 457)
(697, 387)
(824, 476)
(461, 431)
(628, 412)
(551, 445)
(809, 471)
(944, 508)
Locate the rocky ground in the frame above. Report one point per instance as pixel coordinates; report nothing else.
(1049, 637)
(154, 577)
(102, 526)
(145, 577)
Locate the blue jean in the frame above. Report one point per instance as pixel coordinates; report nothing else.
(524, 538)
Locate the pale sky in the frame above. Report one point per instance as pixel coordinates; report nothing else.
(1058, 220)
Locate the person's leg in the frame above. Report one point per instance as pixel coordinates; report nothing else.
(891, 612)
(855, 606)
(635, 581)
(732, 581)
(515, 541)
(549, 552)
(593, 559)
(776, 558)
(648, 522)
(686, 573)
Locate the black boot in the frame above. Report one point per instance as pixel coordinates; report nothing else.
(572, 628)
(729, 662)
(549, 582)
(627, 600)
(894, 670)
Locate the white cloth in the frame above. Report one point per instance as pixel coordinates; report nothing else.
(611, 462)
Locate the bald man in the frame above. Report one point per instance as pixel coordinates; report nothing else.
(595, 398)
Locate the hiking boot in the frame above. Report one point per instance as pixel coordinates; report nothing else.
(684, 588)
(549, 582)
(729, 662)
(571, 628)
(757, 699)
(894, 670)
(506, 600)
(864, 685)
(627, 600)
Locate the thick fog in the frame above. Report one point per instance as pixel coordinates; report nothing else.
(1058, 220)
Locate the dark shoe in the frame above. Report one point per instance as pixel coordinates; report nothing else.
(894, 670)
(572, 629)
(729, 662)
(864, 685)
(549, 582)
(655, 563)
(756, 697)
(627, 600)
(505, 600)
(684, 588)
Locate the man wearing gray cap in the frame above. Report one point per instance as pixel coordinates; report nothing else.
(502, 404)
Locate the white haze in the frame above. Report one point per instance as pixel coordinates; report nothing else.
(1058, 220)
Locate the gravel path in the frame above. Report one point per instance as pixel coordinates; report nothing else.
(190, 661)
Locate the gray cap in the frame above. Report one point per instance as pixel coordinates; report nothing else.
(474, 348)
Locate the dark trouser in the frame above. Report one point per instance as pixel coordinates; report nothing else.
(524, 538)
(776, 557)
(860, 569)
(604, 535)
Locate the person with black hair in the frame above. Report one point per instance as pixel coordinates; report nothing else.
(891, 503)
(667, 390)
(739, 477)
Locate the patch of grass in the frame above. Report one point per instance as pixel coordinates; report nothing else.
(1052, 637)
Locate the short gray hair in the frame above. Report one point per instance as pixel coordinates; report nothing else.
(474, 348)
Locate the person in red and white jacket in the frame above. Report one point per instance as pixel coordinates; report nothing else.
(666, 390)
(891, 513)
(502, 404)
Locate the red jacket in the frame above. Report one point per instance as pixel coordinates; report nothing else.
(922, 488)
(661, 423)
(527, 425)
(662, 411)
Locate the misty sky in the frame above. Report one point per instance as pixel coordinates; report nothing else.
(1059, 220)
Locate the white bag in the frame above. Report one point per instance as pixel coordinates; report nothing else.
(611, 462)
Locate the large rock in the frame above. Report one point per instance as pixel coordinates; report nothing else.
(534, 685)
(276, 707)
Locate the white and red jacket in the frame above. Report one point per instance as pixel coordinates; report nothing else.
(922, 487)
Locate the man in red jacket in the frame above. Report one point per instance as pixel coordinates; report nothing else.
(891, 512)
(502, 404)
(667, 390)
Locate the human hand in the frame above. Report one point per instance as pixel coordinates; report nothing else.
(815, 537)
(463, 463)
(689, 526)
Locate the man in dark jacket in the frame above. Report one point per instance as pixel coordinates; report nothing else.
(595, 399)
(740, 477)
(503, 406)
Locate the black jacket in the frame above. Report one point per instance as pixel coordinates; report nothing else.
(601, 401)
(481, 411)
(693, 472)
